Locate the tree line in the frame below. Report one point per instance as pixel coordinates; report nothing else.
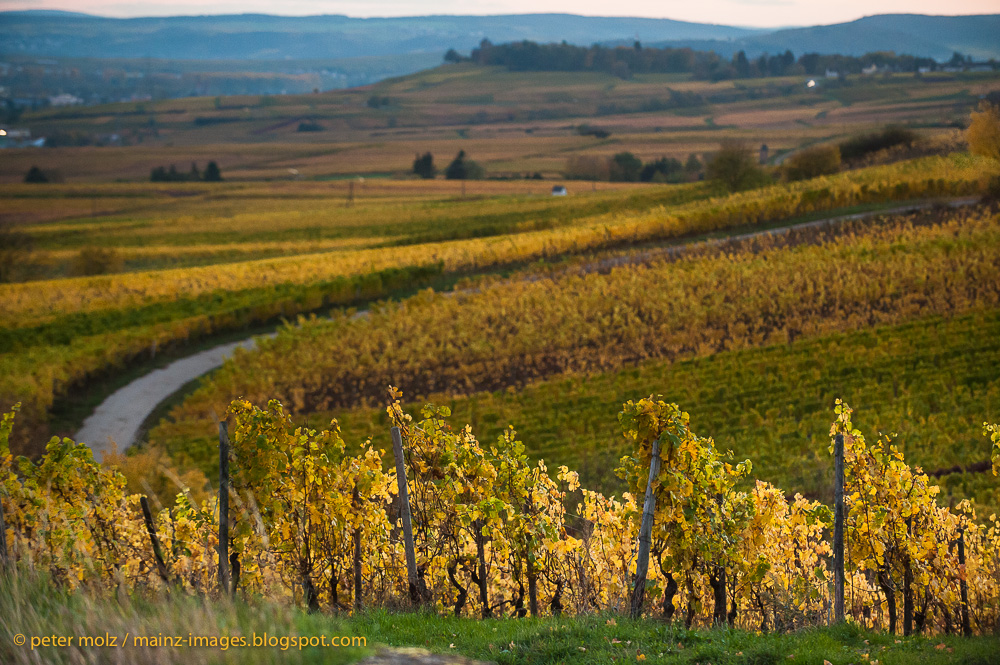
(624, 61)
(212, 173)
(460, 168)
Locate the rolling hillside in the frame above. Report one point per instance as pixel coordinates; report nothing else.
(103, 60)
(513, 123)
(267, 37)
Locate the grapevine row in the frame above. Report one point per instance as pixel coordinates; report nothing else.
(514, 333)
(497, 536)
(60, 333)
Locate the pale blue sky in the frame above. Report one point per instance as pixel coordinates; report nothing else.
(762, 13)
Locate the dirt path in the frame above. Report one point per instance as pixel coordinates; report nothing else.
(117, 422)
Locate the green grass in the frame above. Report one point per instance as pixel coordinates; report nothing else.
(34, 609)
(605, 639)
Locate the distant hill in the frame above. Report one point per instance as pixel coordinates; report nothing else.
(935, 37)
(99, 60)
(265, 37)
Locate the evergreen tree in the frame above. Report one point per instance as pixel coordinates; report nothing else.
(741, 64)
(36, 175)
(212, 173)
(692, 165)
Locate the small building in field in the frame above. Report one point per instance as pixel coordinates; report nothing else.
(559, 190)
(65, 99)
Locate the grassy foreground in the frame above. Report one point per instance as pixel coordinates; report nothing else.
(33, 610)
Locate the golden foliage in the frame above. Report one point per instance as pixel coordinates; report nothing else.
(983, 134)
(306, 514)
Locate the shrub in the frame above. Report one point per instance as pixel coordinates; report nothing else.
(588, 167)
(464, 169)
(665, 169)
(735, 167)
(625, 167)
(97, 261)
(860, 146)
(596, 132)
(15, 249)
(983, 133)
(811, 163)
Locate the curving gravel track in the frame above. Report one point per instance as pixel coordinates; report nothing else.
(117, 422)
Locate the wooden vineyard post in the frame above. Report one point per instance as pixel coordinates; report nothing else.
(838, 528)
(161, 568)
(224, 508)
(719, 615)
(4, 554)
(908, 585)
(356, 501)
(532, 573)
(645, 535)
(484, 597)
(532, 586)
(404, 514)
(963, 586)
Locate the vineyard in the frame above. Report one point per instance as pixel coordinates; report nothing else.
(60, 333)
(724, 421)
(956, 175)
(521, 331)
(494, 535)
(899, 311)
(930, 380)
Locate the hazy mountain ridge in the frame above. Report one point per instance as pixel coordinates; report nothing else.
(262, 36)
(915, 34)
(256, 36)
(96, 59)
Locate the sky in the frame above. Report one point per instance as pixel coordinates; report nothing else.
(755, 13)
